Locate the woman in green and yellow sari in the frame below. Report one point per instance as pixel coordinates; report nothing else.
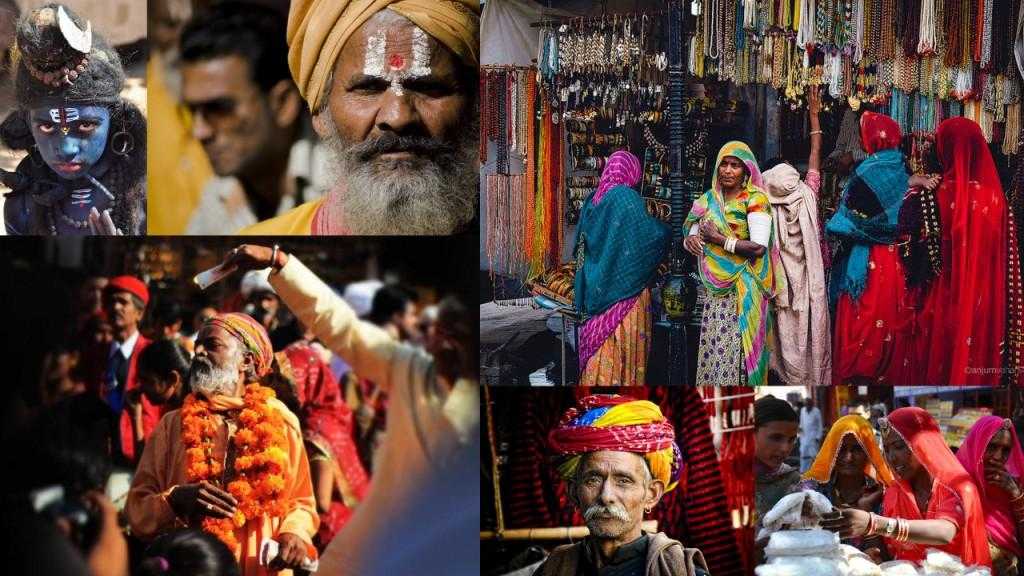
(730, 233)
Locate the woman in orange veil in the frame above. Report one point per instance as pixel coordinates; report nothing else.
(850, 470)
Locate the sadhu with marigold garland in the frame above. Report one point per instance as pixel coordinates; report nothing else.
(231, 460)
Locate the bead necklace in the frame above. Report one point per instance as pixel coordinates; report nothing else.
(822, 27)
(876, 30)
(849, 28)
(485, 116)
(713, 40)
(888, 29)
(858, 44)
(1015, 301)
(728, 60)
(986, 34)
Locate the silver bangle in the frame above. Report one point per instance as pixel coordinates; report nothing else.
(730, 245)
(273, 260)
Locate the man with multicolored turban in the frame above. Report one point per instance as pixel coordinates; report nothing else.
(618, 456)
(231, 461)
(392, 85)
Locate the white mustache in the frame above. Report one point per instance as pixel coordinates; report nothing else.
(616, 511)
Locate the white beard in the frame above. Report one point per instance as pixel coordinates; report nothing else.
(429, 196)
(207, 379)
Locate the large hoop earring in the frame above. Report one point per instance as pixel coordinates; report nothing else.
(122, 143)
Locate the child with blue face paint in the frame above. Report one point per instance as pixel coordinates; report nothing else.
(70, 139)
(85, 172)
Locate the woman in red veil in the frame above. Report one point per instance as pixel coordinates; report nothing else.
(934, 503)
(964, 316)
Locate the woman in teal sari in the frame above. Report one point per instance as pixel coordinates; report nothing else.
(618, 249)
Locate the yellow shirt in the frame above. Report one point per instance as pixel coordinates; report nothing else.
(296, 222)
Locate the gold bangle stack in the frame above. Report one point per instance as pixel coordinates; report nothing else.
(902, 530)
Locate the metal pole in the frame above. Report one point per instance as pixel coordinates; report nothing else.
(673, 294)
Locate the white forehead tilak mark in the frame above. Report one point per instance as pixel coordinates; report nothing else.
(394, 67)
(70, 115)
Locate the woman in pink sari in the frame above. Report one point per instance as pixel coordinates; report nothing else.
(991, 454)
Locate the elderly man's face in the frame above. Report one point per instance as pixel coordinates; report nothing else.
(264, 307)
(90, 293)
(394, 78)
(612, 491)
(399, 128)
(219, 365)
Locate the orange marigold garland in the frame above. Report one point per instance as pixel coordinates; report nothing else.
(261, 458)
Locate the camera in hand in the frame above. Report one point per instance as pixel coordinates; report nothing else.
(83, 523)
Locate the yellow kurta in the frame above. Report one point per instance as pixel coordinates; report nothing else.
(296, 222)
(430, 430)
(163, 467)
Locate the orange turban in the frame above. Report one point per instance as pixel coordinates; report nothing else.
(318, 30)
(251, 334)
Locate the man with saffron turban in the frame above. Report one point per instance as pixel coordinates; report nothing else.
(991, 454)
(392, 85)
(618, 456)
(231, 461)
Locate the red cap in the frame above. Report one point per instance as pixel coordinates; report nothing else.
(129, 284)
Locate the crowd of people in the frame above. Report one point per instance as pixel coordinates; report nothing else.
(286, 416)
(905, 283)
(898, 489)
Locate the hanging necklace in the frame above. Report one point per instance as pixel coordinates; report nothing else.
(986, 42)
(926, 33)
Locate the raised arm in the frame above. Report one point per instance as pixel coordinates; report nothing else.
(362, 345)
(813, 111)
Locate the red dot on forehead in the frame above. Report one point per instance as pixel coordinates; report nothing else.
(396, 61)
